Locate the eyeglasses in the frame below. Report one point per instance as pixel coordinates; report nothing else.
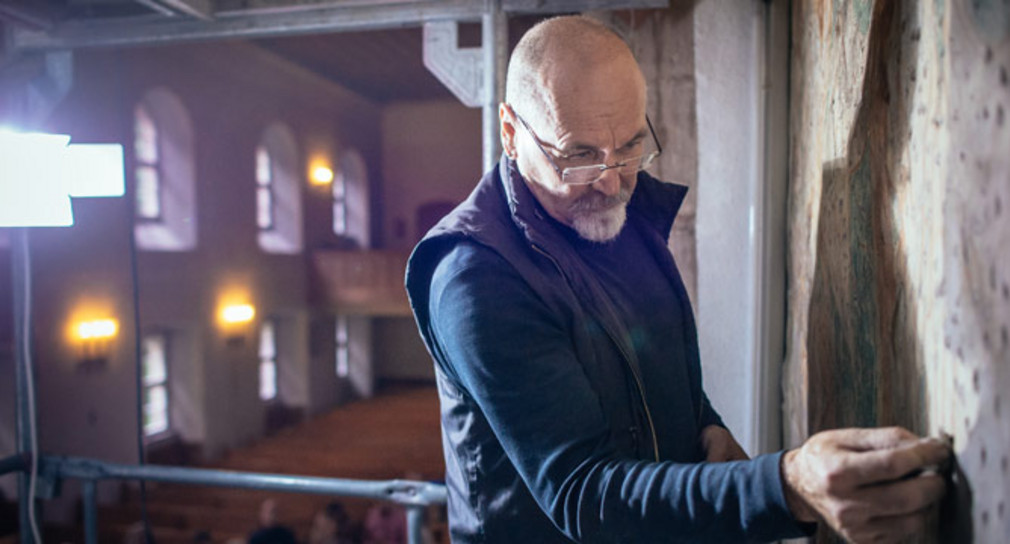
(591, 173)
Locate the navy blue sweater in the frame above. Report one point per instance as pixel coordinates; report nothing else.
(561, 421)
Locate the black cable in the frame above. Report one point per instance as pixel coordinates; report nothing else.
(138, 357)
(130, 198)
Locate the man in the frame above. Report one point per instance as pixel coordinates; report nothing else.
(566, 351)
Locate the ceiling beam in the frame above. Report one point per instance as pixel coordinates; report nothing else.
(534, 7)
(509, 6)
(20, 14)
(285, 19)
(197, 9)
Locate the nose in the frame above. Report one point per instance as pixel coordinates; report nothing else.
(609, 183)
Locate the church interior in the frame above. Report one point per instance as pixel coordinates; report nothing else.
(239, 306)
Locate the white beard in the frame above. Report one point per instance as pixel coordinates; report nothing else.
(600, 226)
(600, 218)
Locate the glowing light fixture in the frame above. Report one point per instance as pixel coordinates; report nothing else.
(40, 172)
(94, 339)
(99, 329)
(322, 175)
(237, 313)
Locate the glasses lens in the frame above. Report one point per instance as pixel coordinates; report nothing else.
(581, 175)
(646, 160)
(584, 175)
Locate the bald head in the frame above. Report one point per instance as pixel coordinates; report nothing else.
(553, 58)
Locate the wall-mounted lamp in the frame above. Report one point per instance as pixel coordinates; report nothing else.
(234, 320)
(321, 175)
(237, 313)
(94, 338)
(98, 329)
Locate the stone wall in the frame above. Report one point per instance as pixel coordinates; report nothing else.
(663, 42)
(899, 273)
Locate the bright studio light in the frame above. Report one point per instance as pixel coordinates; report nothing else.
(97, 329)
(322, 175)
(40, 172)
(237, 313)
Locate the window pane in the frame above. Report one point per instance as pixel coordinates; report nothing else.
(268, 379)
(343, 351)
(339, 186)
(268, 341)
(341, 330)
(264, 208)
(148, 193)
(154, 359)
(146, 137)
(263, 173)
(155, 410)
(339, 217)
(343, 361)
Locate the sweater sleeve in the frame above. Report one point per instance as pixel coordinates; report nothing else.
(498, 342)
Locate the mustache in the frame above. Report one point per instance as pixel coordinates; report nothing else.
(593, 201)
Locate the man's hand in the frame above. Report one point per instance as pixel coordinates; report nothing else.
(720, 446)
(867, 484)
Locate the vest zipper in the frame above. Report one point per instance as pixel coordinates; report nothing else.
(624, 355)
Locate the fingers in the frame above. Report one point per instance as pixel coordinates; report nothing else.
(882, 465)
(901, 497)
(853, 478)
(871, 439)
(889, 528)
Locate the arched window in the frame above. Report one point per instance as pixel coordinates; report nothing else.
(278, 191)
(351, 209)
(163, 175)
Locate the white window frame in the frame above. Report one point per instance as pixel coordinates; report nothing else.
(154, 383)
(342, 368)
(268, 388)
(339, 192)
(175, 228)
(285, 189)
(142, 116)
(350, 194)
(264, 188)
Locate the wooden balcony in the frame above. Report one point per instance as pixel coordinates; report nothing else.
(360, 282)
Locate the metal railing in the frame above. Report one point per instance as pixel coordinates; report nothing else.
(412, 495)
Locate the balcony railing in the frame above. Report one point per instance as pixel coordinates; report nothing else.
(412, 495)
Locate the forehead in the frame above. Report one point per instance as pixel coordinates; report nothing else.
(600, 106)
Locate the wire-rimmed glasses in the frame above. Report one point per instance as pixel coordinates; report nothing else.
(591, 173)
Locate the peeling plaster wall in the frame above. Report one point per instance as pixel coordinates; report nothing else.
(899, 273)
(663, 43)
(704, 66)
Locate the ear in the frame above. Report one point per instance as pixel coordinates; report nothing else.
(508, 129)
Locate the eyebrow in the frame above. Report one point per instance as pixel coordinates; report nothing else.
(576, 147)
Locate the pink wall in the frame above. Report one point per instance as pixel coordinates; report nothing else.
(430, 151)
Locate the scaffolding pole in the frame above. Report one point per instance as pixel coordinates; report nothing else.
(494, 42)
(25, 396)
